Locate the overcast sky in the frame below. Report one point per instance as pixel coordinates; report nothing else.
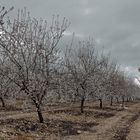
(114, 24)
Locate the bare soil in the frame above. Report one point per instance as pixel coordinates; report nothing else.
(67, 123)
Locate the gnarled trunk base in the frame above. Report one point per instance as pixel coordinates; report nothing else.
(101, 103)
(2, 101)
(82, 105)
(111, 101)
(40, 116)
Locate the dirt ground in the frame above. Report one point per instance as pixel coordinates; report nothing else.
(67, 123)
(135, 131)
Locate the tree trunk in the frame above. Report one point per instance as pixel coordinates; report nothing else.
(111, 101)
(101, 103)
(127, 99)
(39, 112)
(2, 101)
(117, 99)
(123, 100)
(82, 105)
(41, 120)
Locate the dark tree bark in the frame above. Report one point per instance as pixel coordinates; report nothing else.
(127, 99)
(123, 100)
(111, 101)
(39, 111)
(40, 116)
(101, 103)
(82, 105)
(2, 101)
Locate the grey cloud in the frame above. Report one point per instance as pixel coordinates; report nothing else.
(114, 23)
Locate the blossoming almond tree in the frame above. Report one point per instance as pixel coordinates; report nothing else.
(81, 64)
(31, 49)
